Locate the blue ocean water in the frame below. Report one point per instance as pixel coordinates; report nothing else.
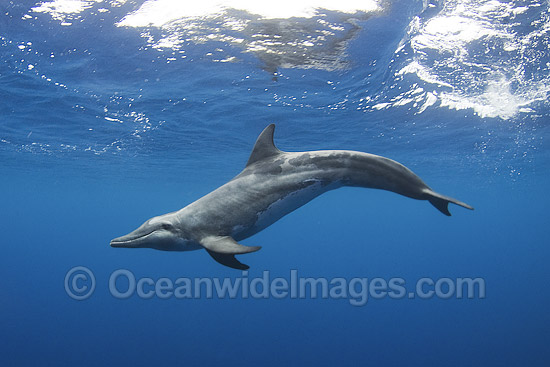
(112, 112)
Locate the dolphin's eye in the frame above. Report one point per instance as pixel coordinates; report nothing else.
(167, 226)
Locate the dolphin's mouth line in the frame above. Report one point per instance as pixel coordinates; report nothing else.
(116, 242)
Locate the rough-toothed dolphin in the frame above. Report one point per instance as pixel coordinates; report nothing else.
(273, 184)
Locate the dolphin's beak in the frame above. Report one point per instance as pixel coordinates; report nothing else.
(122, 241)
(117, 242)
(132, 239)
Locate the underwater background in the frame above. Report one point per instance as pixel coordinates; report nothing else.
(112, 112)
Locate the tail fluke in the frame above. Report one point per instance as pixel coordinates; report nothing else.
(441, 202)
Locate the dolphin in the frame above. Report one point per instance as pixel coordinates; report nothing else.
(273, 184)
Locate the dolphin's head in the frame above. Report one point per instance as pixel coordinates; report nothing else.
(161, 233)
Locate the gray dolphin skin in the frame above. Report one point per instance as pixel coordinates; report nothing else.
(273, 184)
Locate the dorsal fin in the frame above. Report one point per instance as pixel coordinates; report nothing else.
(264, 146)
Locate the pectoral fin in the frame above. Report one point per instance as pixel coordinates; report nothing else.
(224, 248)
(228, 260)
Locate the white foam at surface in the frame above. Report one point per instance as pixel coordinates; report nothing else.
(257, 27)
(161, 12)
(453, 51)
(69, 9)
(59, 9)
(496, 101)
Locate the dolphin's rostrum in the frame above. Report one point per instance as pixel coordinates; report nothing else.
(273, 184)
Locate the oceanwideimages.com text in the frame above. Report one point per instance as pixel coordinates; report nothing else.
(123, 284)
